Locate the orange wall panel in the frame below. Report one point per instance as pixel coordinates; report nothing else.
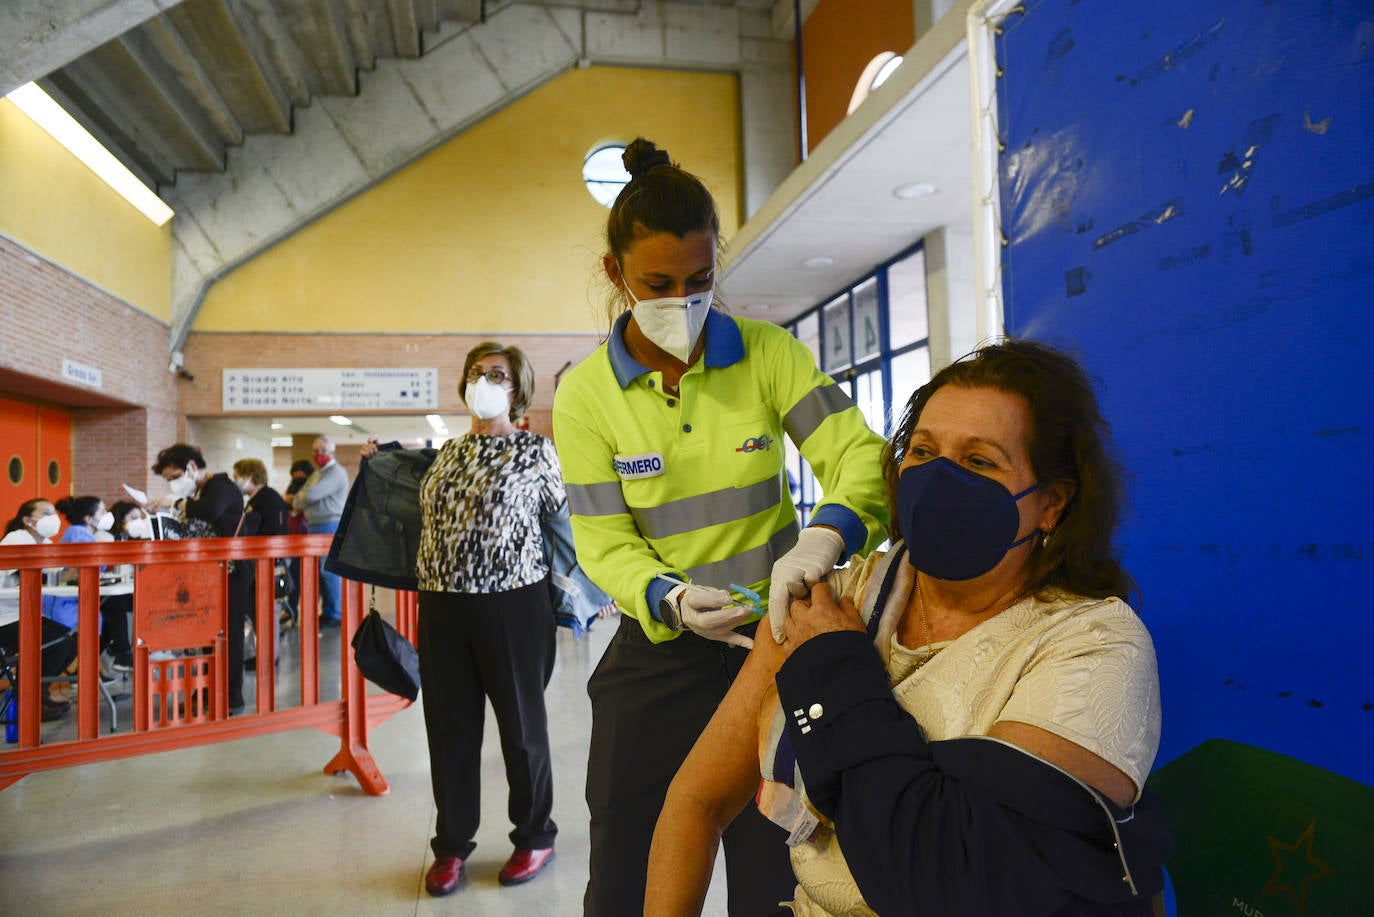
(54, 453)
(19, 453)
(839, 38)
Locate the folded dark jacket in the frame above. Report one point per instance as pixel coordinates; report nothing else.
(378, 536)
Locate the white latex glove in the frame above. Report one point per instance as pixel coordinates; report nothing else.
(810, 561)
(710, 613)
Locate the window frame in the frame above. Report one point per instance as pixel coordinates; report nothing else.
(850, 373)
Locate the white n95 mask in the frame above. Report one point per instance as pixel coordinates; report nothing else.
(486, 399)
(137, 528)
(673, 323)
(105, 522)
(183, 486)
(47, 526)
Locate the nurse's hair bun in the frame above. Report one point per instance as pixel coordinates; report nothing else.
(641, 156)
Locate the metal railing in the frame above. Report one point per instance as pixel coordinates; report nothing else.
(180, 598)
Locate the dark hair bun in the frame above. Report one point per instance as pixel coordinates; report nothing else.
(65, 505)
(641, 156)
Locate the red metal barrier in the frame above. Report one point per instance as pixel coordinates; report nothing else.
(180, 600)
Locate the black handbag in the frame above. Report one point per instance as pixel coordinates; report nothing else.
(285, 583)
(385, 658)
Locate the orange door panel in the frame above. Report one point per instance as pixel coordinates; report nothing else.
(54, 453)
(19, 455)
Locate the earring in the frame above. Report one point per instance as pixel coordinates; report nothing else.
(1044, 539)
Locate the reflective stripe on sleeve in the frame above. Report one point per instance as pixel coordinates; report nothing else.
(605, 499)
(749, 566)
(808, 414)
(691, 513)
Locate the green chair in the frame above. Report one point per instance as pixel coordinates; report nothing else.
(1263, 835)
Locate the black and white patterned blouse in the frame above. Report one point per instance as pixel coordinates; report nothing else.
(481, 501)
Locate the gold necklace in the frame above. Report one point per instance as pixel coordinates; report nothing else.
(925, 625)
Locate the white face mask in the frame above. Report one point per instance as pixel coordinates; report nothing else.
(487, 400)
(136, 528)
(183, 486)
(47, 526)
(673, 323)
(105, 522)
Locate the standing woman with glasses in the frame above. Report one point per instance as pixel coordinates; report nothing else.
(486, 625)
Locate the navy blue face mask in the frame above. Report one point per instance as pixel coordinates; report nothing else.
(957, 525)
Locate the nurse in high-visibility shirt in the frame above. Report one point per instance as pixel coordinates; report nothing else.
(670, 439)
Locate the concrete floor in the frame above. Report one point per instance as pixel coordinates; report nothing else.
(255, 827)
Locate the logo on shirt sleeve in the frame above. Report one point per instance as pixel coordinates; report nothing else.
(644, 465)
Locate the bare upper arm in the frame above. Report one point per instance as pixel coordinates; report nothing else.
(721, 773)
(1096, 772)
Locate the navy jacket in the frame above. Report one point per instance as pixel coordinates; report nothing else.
(971, 825)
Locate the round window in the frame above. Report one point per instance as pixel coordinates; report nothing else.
(604, 172)
(54, 472)
(16, 470)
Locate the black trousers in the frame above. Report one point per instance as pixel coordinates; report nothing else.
(55, 658)
(474, 647)
(241, 583)
(649, 703)
(114, 625)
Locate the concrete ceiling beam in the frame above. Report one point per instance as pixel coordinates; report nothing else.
(40, 36)
(170, 51)
(236, 59)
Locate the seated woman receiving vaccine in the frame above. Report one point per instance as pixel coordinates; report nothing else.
(963, 724)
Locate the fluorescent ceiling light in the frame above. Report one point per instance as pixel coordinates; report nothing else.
(341, 420)
(277, 426)
(281, 442)
(50, 116)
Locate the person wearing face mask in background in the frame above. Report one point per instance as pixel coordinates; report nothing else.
(300, 473)
(85, 517)
(267, 511)
(213, 508)
(967, 719)
(486, 628)
(90, 522)
(295, 525)
(321, 499)
(36, 522)
(670, 435)
(128, 524)
(250, 476)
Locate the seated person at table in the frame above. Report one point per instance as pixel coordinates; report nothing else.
(35, 523)
(87, 520)
(130, 523)
(961, 725)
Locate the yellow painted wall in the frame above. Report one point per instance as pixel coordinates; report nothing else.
(51, 203)
(494, 231)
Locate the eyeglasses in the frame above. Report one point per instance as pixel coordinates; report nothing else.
(495, 376)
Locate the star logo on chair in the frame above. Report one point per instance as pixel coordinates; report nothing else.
(1294, 871)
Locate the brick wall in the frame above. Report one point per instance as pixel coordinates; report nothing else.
(49, 314)
(208, 354)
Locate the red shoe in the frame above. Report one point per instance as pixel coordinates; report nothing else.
(524, 865)
(443, 876)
